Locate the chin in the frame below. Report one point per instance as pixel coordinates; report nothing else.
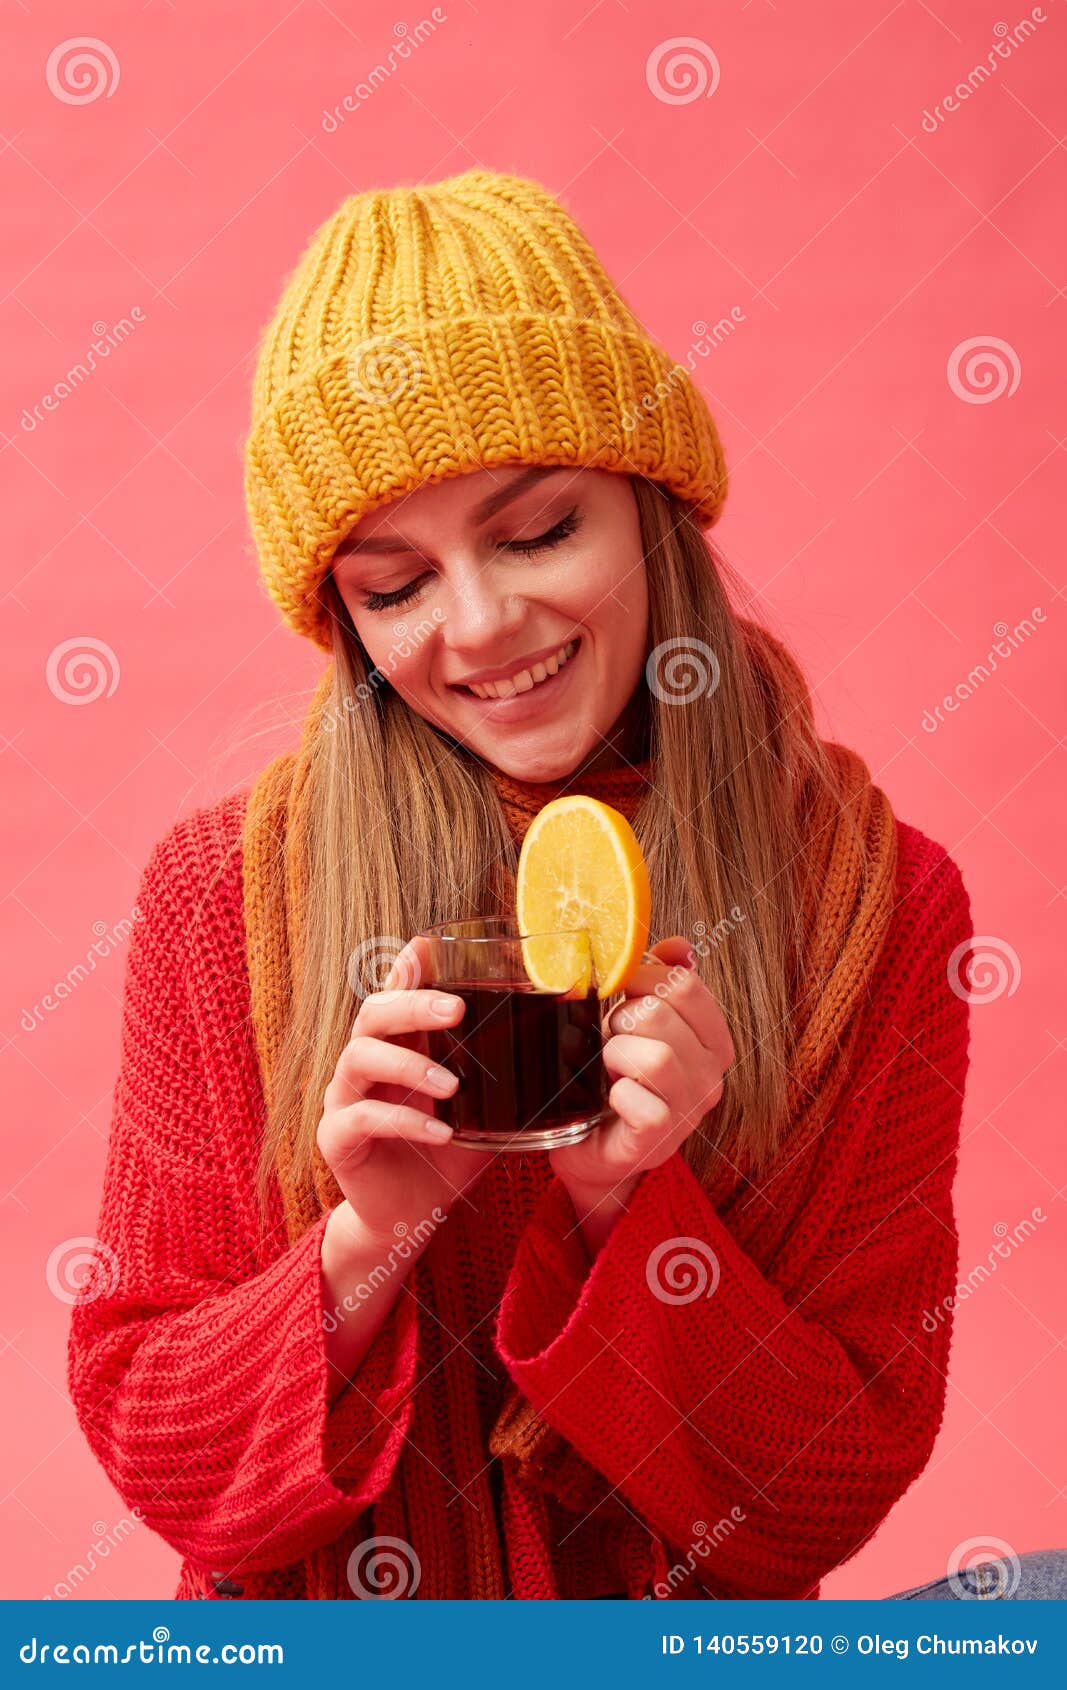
(540, 768)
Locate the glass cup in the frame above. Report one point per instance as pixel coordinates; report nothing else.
(529, 1063)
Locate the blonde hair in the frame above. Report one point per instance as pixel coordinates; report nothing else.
(406, 829)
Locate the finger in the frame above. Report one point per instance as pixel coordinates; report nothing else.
(407, 1011)
(675, 950)
(650, 1136)
(648, 973)
(346, 1136)
(366, 1062)
(659, 1019)
(651, 1062)
(408, 968)
(644, 1114)
(656, 1065)
(681, 987)
(686, 1015)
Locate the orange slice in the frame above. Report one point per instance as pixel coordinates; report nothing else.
(581, 866)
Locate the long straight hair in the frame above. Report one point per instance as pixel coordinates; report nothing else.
(406, 829)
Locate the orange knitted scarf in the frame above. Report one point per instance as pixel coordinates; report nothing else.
(846, 925)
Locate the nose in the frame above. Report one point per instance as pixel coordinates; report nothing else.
(481, 615)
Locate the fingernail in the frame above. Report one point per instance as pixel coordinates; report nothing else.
(440, 1077)
(438, 1129)
(444, 1006)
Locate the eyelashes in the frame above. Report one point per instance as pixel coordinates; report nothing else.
(389, 601)
(564, 528)
(554, 536)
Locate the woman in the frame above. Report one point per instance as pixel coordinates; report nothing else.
(338, 1356)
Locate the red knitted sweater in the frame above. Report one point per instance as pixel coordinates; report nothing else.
(740, 1444)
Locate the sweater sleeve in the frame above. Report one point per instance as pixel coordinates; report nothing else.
(198, 1375)
(784, 1420)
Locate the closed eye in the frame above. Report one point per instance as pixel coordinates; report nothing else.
(562, 530)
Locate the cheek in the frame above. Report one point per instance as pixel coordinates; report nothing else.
(393, 648)
(618, 610)
(614, 597)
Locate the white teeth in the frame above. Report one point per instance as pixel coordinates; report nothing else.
(525, 678)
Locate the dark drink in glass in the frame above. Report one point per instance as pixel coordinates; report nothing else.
(529, 1061)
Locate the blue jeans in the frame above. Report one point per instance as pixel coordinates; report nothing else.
(1039, 1576)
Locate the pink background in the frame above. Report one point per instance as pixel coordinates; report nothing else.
(886, 516)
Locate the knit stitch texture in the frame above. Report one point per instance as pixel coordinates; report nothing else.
(433, 330)
(737, 1444)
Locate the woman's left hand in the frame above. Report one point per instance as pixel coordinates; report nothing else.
(667, 1052)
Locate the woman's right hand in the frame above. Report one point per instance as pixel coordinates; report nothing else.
(374, 1133)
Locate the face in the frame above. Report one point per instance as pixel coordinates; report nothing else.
(509, 607)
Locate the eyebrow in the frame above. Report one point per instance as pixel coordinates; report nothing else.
(501, 496)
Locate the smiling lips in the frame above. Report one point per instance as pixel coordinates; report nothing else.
(524, 680)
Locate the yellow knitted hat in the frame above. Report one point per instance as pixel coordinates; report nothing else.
(433, 330)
